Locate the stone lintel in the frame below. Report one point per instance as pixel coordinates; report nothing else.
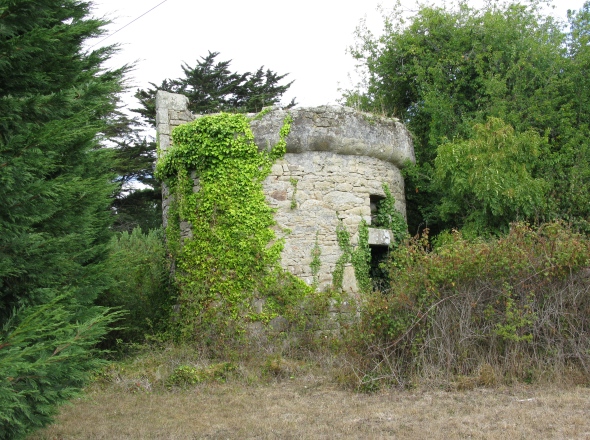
(380, 237)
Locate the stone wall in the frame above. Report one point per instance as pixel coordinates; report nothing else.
(337, 158)
(171, 111)
(329, 188)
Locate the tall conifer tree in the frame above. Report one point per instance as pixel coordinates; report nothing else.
(211, 87)
(55, 191)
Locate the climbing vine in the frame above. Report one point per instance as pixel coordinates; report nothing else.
(343, 239)
(231, 251)
(388, 217)
(359, 257)
(294, 183)
(316, 262)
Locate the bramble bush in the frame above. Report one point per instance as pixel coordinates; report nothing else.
(518, 304)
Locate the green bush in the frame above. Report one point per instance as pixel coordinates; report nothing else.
(186, 375)
(519, 303)
(138, 265)
(47, 354)
(488, 180)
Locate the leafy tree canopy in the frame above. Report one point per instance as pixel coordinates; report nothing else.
(486, 181)
(446, 69)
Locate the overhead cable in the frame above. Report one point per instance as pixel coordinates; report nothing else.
(131, 22)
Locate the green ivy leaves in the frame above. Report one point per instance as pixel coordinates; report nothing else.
(233, 252)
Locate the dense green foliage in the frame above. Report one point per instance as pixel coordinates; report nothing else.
(359, 256)
(497, 102)
(47, 354)
(139, 268)
(446, 69)
(138, 202)
(210, 87)
(388, 217)
(232, 253)
(486, 180)
(55, 189)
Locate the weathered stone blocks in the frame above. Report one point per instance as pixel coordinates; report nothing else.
(337, 158)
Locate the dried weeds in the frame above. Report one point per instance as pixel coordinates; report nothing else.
(306, 407)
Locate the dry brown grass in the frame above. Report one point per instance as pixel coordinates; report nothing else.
(310, 407)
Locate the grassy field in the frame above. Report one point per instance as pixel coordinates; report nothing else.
(313, 407)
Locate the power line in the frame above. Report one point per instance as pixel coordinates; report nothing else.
(131, 22)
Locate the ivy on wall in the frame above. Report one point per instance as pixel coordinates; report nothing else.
(388, 217)
(316, 262)
(359, 257)
(233, 252)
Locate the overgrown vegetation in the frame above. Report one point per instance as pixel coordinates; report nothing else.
(139, 268)
(210, 86)
(388, 217)
(358, 256)
(497, 101)
(488, 180)
(515, 308)
(316, 262)
(56, 98)
(232, 254)
(491, 302)
(445, 71)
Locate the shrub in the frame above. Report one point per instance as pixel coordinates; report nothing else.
(47, 354)
(185, 375)
(518, 303)
(138, 265)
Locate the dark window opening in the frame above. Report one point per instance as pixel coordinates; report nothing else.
(378, 274)
(375, 201)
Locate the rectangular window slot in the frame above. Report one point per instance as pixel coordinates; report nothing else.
(379, 255)
(375, 201)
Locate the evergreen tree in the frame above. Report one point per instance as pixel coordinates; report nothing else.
(55, 192)
(135, 156)
(211, 87)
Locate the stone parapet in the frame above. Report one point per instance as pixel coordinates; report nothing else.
(171, 111)
(337, 129)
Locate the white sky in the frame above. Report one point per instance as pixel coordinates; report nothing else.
(305, 38)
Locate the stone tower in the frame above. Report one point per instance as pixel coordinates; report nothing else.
(336, 163)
